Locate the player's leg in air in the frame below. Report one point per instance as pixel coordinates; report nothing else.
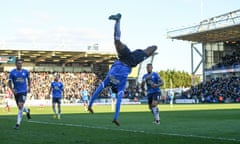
(120, 92)
(127, 57)
(123, 51)
(101, 86)
(117, 33)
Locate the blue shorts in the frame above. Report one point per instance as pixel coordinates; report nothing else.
(20, 97)
(153, 97)
(133, 58)
(56, 100)
(117, 76)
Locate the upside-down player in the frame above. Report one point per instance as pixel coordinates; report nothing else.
(121, 68)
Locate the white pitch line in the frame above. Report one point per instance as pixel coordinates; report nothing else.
(136, 131)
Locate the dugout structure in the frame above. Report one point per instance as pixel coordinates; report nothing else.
(212, 39)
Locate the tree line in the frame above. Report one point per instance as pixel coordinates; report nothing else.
(177, 79)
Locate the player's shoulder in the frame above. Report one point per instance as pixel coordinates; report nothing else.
(61, 83)
(25, 70)
(145, 74)
(53, 83)
(155, 73)
(13, 70)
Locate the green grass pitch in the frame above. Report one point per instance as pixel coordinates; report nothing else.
(180, 124)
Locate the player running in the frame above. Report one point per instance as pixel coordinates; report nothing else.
(153, 82)
(121, 68)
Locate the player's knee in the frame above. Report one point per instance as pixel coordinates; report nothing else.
(154, 103)
(20, 105)
(119, 45)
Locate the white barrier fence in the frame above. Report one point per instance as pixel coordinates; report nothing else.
(186, 101)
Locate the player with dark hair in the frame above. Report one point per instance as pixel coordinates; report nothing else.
(153, 82)
(121, 68)
(19, 83)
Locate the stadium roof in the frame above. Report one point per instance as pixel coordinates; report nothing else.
(61, 57)
(221, 28)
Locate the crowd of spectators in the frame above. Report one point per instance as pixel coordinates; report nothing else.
(229, 61)
(217, 90)
(73, 85)
(212, 91)
(222, 89)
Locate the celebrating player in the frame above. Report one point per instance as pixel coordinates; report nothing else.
(19, 83)
(121, 68)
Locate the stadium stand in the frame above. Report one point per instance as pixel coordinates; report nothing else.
(217, 90)
(219, 38)
(78, 69)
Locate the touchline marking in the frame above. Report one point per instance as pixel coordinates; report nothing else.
(135, 131)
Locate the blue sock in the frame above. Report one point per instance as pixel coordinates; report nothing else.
(95, 94)
(118, 104)
(117, 32)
